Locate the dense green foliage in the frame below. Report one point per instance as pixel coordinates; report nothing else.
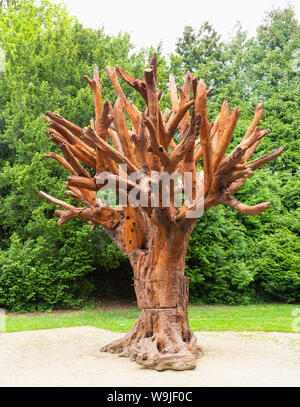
(232, 258)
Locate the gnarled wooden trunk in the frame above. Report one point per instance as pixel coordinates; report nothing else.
(155, 237)
(161, 338)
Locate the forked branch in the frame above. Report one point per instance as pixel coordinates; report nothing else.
(145, 143)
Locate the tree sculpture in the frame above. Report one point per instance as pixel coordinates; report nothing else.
(155, 236)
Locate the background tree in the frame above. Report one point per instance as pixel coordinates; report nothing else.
(248, 74)
(39, 75)
(6, 3)
(200, 52)
(47, 54)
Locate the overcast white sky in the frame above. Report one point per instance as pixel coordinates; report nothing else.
(155, 20)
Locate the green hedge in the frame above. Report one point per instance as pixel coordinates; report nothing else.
(232, 258)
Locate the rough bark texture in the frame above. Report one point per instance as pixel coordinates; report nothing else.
(155, 237)
(161, 338)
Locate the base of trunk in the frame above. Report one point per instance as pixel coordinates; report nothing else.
(161, 339)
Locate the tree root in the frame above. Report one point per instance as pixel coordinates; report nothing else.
(158, 341)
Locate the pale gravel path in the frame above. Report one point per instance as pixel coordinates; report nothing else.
(71, 357)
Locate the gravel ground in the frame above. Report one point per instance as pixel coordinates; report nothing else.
(71, 357)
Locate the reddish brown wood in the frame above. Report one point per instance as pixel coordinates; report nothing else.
(155, 238)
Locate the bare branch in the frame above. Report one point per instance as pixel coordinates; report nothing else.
(156, 148)
(185, 144)
(225, 136)
(96, 88)
(69, 125)
(258, 115)
(176, 119)
(259, 162)
(173, 94)
(246, 210)
(123, 133)
(201, 109)
(138, 85)
(62, 161)
(110, 151)
(55, 200)
(129, 107)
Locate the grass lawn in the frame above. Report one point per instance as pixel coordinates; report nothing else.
(266, 317)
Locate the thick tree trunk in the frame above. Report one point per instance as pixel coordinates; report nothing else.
(161, 338)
